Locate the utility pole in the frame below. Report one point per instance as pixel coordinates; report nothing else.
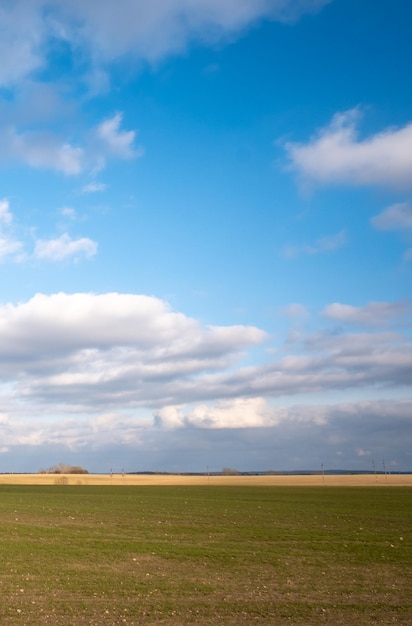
(384, 469)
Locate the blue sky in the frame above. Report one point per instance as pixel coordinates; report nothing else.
(205, 234)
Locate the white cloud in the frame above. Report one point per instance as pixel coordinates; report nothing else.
(153, 30)
(99, 33)
(56, 249)
(259, 413)
(395, 217)
(122, 351)
(35, 105)
(89, 323)
(337, 155)
(22, 32)
(323, 244)
(105, 31)
(323, 362)
(86, 371)
(41, 150)
(362, 452)
(373, 314)
(68, 212)
(107, 428)
(94, 187)
(116, 142)
(64, 247)
(302, 436)
(9, 247)
(5, 215)
(295, 310)
(237, 413)
(45, 150)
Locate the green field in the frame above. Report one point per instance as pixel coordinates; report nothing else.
(205, 555)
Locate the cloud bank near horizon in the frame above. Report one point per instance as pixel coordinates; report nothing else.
(111, 367)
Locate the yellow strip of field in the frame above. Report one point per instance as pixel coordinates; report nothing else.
(336, 480)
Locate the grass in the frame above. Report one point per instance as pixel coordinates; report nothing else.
(205, 555)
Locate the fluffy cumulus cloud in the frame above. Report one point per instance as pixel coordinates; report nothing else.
(115, 349)
(124, 351)
(104, 370)
(258, 412)
(336, 154)
(151, 31)
(48, 150)
(236, 413)
(113, 142)
(118, 142)
(64, 247)
(105, 31)
(42, 150)
(330, 362)
(373, 314)
(57, 249)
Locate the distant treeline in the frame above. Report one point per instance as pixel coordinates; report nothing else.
(63, 468)
(233, 472)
